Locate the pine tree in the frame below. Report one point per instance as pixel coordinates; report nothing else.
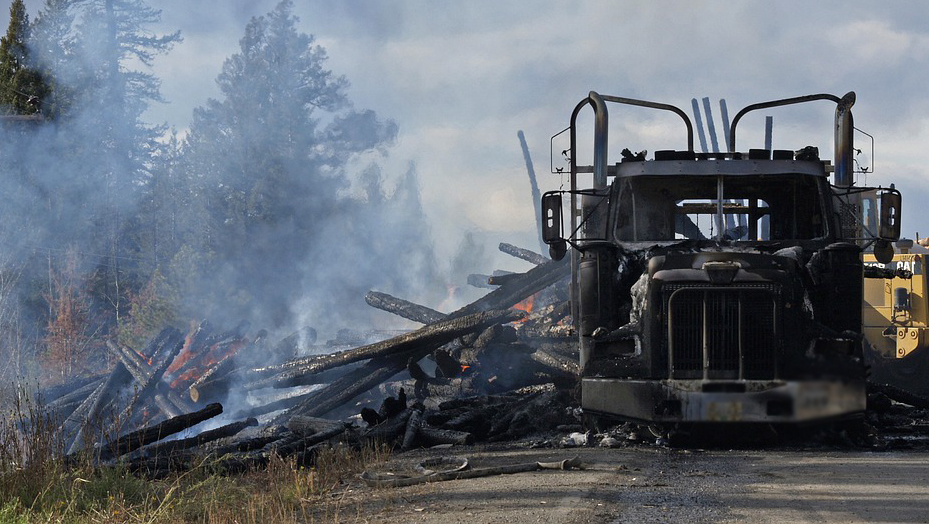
(21, 86)
(54, 50)
(273, 175)
(112, 34)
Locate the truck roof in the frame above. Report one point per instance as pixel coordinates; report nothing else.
(719, 167)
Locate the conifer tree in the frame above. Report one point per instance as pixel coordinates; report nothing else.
(21, 86)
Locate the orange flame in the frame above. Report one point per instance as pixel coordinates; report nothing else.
(208, 359)
(185, 353)
(526, 305)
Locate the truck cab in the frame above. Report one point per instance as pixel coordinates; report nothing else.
(718, 287)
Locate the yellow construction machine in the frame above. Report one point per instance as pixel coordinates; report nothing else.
(895, 317)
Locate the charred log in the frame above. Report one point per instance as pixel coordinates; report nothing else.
(480, 281)
(142, 370)
(446, 365)
(306, 426)
(388, 431)
(413, 425)
(50, 395)
(383, 367)
(403, 308)
(514, 292)
(295, 377)
(431, 436)
(173, 446)
(270, 407)
(566, 370)
(137, 439)
(432, 335)
(524, 254)
(91, 410)
(147, 382)
(75, 395)
(393, 406)
(502, 280)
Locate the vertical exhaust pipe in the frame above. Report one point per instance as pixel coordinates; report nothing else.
(844, 141)
(601, 136)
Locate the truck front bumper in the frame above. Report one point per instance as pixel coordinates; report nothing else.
(713, 401)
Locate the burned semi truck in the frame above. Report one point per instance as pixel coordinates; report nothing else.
(718, 287)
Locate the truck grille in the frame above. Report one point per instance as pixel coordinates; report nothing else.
(721, 332)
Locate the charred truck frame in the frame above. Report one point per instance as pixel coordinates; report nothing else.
(719, 287)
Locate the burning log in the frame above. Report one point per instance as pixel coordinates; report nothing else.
(137, 439)
(446, 365)
(524, 254)
(517, 290)
(390, 362)
(413, 344)
(204, 359)
(203, 384)
(147, 379)
(222, 375)
(548, 322)
(156, 343)
(194, 344)
(403, 308)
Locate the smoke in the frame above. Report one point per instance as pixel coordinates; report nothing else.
(273, 209)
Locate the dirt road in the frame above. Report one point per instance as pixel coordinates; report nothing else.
(658, 485)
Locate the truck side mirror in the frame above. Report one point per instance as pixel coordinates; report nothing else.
(890, 214)
(552, 224)
(883, 251)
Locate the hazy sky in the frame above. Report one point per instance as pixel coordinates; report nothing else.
(460, 78)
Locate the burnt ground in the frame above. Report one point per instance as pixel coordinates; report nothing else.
(875, 469)
(657, 484)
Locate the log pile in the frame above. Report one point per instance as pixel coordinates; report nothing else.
(501, 368)
(435, 379)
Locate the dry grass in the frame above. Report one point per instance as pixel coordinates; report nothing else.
(35, 485)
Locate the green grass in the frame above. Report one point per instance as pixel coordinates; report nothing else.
(37, 487)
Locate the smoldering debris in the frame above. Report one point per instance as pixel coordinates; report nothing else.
(508, 356)
(501, 369)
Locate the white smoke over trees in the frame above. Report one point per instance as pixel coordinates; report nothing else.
(271, 209)
(281, 228)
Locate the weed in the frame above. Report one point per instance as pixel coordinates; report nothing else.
(36, 485)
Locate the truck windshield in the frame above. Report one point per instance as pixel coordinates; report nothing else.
(745, 208)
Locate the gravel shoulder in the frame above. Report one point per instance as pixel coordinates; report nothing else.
(648, 484)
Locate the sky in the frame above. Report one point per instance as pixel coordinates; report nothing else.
(461, 78)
